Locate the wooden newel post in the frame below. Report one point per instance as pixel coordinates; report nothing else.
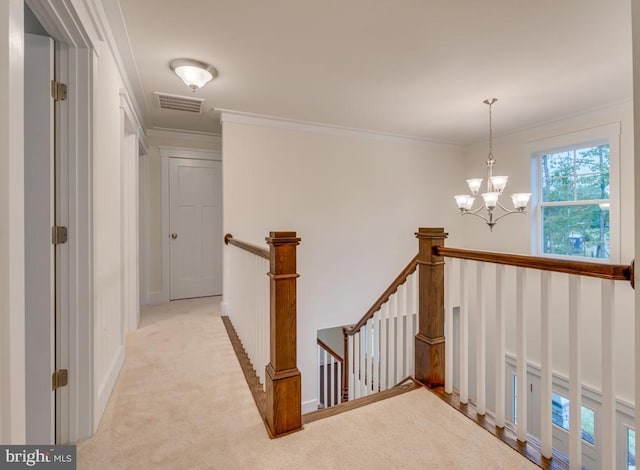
(345, 365)
(283, 380)
(430, 340)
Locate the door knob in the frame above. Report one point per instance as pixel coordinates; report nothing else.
(174, 235)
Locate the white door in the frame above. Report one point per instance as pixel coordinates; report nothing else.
(195, 221)
(39, 251)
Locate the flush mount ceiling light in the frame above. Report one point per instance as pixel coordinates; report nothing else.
(493, 208)
(194, 73)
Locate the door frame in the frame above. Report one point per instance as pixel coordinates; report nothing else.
(165, 154)
(76, 59)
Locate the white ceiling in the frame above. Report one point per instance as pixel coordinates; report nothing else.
(412, 67)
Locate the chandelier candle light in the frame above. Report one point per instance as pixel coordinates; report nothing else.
(493, 208)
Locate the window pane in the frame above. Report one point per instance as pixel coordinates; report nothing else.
(576, 231)
(631, 449)
(560, 417)
(558, 189)
(592, 160)
(590, 187)
(588, 425)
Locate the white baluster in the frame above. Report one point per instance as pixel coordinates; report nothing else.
(608, 409)
(357, 390)
(370, 358)
(339, 382)
(575, 375)
(326, 378)
(384, 350)
(362, 334)
(500, 347)
(351, 367)
(409, 338)
(448, 327)
(400, 312)
(376, 351)
(464, 335)
(481, 343)
(546, 366)
(521, 356)
(332, 381)
(319, 352)
(391, 381)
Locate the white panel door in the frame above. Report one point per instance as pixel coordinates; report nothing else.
(39, 251)
(195, 221)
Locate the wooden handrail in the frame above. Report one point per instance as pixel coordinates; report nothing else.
(397, 282)
(256, 250)
(327, 348)
(616, 272)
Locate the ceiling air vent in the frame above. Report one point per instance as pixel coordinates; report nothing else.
(179, 103)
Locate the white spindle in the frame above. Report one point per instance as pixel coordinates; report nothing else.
(357, 391)
(370, 359)
(546, 422)
(409, 335)
(376, 351)
(384, 350)
(401, 304)
(521, 359)
(575, 375)
(362, 335)
(339, 382)
(608, 410)
(464, 335)
(481, 343)
(500, 348)
(351, 367)
(325, 374)
(448, 327)
(391, 334)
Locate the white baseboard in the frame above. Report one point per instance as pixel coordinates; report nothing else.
(224, 308)
(309, 406)
(107, 385)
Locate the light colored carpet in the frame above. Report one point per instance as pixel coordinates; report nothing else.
(182, 403)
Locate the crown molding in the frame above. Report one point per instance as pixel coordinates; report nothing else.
(107, 14)
(241, 117)
(193, 136)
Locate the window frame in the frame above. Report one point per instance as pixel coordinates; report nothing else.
(606, 134)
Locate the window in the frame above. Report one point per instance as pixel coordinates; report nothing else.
(575, 201)
(576, 194)
(560, 417)
(631, 449)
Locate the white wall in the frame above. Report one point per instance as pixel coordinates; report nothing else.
(513, 234)
(355, 199)
(108, 320)
(156, 139)
(12, 354)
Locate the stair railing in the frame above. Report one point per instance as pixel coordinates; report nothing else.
(479, 287)
(260, 301)
(379, 349)
(330, 366)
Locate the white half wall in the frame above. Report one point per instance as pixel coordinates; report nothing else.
(356, 199)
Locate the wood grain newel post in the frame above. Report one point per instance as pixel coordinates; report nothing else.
(430, 340)
(283, 379)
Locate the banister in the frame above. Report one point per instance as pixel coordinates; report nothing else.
(616, 272)
(397, 282)
(256, 250)
(327, 348)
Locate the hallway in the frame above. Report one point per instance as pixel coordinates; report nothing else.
(181, 402)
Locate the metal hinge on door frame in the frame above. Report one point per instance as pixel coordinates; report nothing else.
(59, 378)
(58, 91)
(59, 234)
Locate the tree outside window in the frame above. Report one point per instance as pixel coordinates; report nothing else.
(574, 202)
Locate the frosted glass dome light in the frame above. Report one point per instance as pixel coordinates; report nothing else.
(194, 73)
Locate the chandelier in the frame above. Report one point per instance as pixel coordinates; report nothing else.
(492, 210)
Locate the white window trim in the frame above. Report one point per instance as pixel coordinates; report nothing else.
(608, 133)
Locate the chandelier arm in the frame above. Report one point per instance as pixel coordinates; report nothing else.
(477, 215)
(508, 213)
(504, 208)
(475, 211)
